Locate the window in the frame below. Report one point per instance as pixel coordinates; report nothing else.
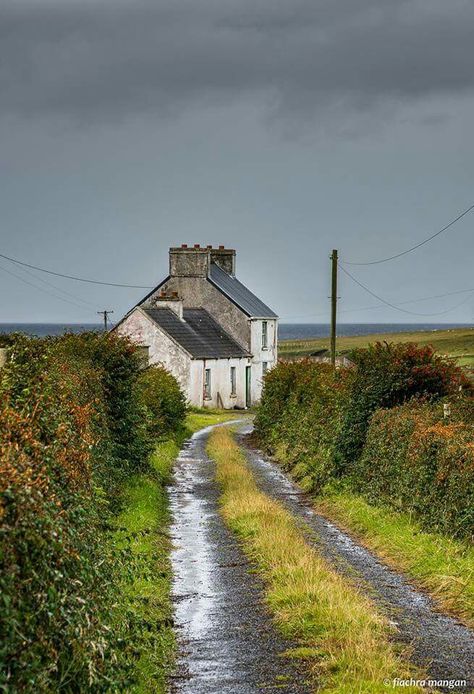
(264, 367)
(207, 384)
(264, 334)
(233, 388)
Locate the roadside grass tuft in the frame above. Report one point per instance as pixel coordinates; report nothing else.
(442, 566)
(340, 635)
(141, 530)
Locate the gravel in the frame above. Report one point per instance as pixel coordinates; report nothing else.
(227, 640)
(438, 643)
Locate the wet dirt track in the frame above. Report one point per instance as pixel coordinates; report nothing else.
(227, 641)
(440, 644)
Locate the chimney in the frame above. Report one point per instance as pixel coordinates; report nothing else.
(224, 258)
(189, 262)
(169, 300)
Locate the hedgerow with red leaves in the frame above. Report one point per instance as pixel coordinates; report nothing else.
(72, 428)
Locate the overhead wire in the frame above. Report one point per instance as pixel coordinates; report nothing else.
(86, 303)
(418, 245)
(395, 306)
(42, 289)
(73, 277)
(401, 303)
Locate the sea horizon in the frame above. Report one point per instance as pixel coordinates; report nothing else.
(287, 331)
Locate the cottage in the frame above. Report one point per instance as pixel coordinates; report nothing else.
(202, 324)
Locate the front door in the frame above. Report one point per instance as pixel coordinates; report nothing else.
(248, 383)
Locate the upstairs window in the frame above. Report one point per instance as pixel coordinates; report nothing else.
(264, 334)
(233, 382)
(207, 384)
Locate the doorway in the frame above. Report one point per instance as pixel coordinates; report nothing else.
(248, 384)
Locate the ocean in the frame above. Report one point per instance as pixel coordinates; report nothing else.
(287, 331)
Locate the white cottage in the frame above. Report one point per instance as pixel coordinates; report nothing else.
(203, 325)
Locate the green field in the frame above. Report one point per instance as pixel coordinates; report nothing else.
(457, 343)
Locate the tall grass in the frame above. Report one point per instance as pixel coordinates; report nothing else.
(338, 631)
(439, 564)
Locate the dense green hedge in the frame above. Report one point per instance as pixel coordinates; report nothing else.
(158, 391)
(316, 421)
(387, 375)
(416, 461)
(72, 427)
(299, 418)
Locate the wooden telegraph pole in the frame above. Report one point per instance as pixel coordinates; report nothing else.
(333, 306)
(105, 314)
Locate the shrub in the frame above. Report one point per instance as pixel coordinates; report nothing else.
(299, 417)
(71, 428)
(51, 587)
(162, 398)
(387, 375)
(415, 461)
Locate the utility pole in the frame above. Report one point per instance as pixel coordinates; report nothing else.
(105, 314)
(333, 306)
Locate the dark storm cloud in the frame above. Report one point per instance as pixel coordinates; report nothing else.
(101, 60)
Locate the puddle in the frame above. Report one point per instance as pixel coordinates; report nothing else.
(227, 641)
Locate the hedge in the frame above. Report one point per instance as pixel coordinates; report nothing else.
(387, 375)
(299, 418)
(416, 461)
(72, 428)
(379, 427)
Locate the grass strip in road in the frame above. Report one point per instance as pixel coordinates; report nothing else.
(340, 634)
(442, 566)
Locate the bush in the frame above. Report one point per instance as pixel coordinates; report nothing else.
(51, 588)
(299, 418)
(416, 461)
(71, 429)
(162, 398)
(387, 375)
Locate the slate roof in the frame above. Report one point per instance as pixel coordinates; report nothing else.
(239, 294)
(199, 334)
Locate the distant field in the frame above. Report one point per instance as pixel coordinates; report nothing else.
(458, 343)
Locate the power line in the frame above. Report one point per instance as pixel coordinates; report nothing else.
(401, 303)
(394, 306)
(73, 277)
(418, 245)
(87, 304)
(42, 289)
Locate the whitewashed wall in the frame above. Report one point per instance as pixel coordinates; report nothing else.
(260, 355)
(162, 350)
(221, 383)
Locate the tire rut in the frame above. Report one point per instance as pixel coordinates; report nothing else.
(439, 644)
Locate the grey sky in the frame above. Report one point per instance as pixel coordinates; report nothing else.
(281, 128)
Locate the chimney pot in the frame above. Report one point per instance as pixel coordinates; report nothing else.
(184, 245)
(209, 246)
(197, 245)
(221, 248)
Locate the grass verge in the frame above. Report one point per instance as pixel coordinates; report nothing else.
(141, 530)
(442, 566)
(339, 633)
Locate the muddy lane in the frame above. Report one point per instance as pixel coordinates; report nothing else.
(440, 644)
(227, 641)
